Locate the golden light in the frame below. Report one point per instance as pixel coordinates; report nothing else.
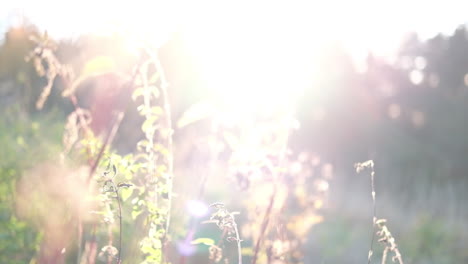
(253, 54)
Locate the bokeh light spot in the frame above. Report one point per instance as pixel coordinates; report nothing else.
(197, 208)
(465, 79)
(327, 172)
(416, 77)
(185, 248)
(420, 63)
(394, 111)
(418, 118)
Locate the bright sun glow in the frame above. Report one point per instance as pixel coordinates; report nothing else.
(258, 56)
(250, 53)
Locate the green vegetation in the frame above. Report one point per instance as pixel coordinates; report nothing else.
(24, 143)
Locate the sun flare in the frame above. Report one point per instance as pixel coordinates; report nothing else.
(256, 54)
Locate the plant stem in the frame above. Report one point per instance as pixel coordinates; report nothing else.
(239, 248)
(384, 255)
(266, 220)
(276, 176)
(108, 140)
(120, 224)
(374, 212)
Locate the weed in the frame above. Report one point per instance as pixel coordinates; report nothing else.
(226, 222)
(379, 225)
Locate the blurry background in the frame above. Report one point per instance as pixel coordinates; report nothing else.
(367, 80)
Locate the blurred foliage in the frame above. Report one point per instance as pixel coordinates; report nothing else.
(25, 143)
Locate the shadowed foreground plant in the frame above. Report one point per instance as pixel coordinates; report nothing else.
(152, 172)
(77, 135)
(387, 239)
(109, 186)
(226, 222)
(379, 226)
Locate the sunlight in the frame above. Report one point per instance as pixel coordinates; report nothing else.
(256, 58)
(361, 24)
(197, 208)
(254, 54)
(176, 131)
(262, 56)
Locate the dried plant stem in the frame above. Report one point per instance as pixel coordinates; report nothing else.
(276, 176)
(56, 68)
(389, 241)
(226, 222)
(239, 247)
(378, 225)
(384, 255)
(120, 223)
(398, 257)
(107, 141)
(374, 213)
(266, 220)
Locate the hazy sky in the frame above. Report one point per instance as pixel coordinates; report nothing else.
(258, 46)
(361, 24)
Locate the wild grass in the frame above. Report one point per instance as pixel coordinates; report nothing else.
(379, 225)
(227, 223)
(285, 192)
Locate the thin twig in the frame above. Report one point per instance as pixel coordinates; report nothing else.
(383, 232)
(239, 247)
(360, 167)
(226, 222)
(57, 70)
(387, 238)
(120, 223)
(384, 255)
(266, 220)
(277, 175)
(374, 211)
(107, 141)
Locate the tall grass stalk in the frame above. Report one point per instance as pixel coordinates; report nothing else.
(378, 225)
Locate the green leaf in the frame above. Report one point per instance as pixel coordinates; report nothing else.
(125, 193)
(149, 123)
(137, 93)
(98, 65)
(203, 240)
(195, 113)
(247, 251)
(135, 214)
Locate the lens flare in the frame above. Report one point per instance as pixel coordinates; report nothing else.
(196, 208)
